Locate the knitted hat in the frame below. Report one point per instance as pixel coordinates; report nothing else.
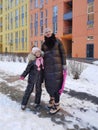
(35, 49)
(47, 30)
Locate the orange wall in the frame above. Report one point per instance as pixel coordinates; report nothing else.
(80, 30)
(49, 7)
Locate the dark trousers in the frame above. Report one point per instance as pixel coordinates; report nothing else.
(56, 97)
(28, 92)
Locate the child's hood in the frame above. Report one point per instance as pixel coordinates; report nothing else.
(31, 57)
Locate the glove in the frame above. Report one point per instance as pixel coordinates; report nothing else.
(64, 71)
(64, 80)
(21, 78)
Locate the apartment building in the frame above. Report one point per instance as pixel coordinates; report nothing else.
(85, 29)
(14, 24)
(22, 23)
(56, 14)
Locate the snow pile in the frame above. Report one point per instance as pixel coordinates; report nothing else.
(91, 74)
(95, 62)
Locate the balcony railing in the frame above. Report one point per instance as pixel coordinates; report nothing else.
(68, 30)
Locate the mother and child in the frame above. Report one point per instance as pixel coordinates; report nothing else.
(46, 64)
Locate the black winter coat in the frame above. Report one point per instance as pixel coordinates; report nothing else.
(54, 60)
(34, 75)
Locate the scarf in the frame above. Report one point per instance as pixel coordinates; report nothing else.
(50, 41)
(39, 62)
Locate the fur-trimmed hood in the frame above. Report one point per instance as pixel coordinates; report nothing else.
(32, 57)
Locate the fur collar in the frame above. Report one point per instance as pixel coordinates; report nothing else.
(50, 42)
(31, 57)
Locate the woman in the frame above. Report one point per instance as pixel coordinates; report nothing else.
(54, 64)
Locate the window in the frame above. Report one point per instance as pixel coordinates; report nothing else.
(90, 50)
(41, 22)
(31, 25)
(16, 40)
(46, 22)
(36, 24)
(11, 3)
(17, 18)
(23, 12)
(90, 38)
(55, 15)
(8, 21)
(22, 39)
(17, 2)
(90, 11)
(26, 14)
(11, 20)
(36, 3)
(31, 4)
(26, 38)
(41, 2)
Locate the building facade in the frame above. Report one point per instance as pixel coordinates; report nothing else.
(22, 23)
(1, 25)
(56, 14)
(14, 24)
(85, 29)
(75, 22)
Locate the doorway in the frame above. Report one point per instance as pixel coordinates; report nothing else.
(90, 51)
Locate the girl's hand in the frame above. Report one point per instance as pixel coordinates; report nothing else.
(21, 78)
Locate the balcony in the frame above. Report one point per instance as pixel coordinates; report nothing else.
(67, 33)
(68, 30)
(68, 15)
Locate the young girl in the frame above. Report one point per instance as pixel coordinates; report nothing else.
(35, 70)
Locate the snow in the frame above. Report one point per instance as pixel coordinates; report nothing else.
(95, 62)
(12, 68)
(15, 119)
